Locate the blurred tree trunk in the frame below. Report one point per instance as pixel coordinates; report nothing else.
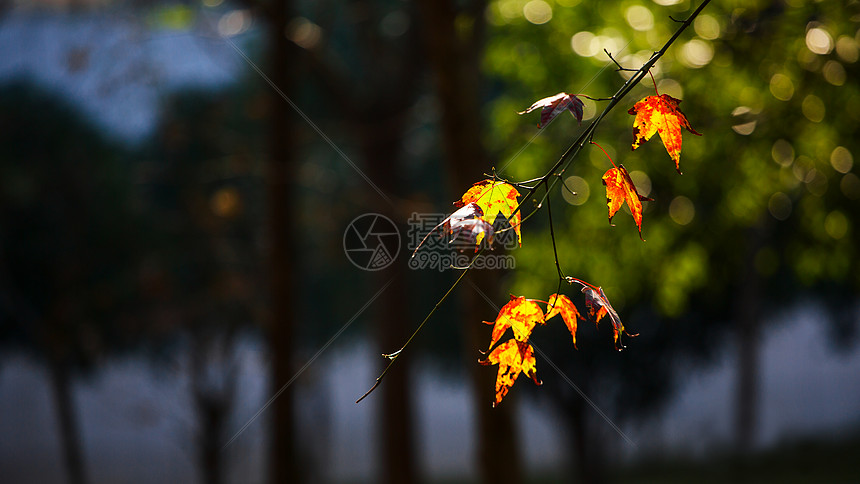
(381, 141)
(747, 318)
(376, 102)
(280, 171)
(70, 435)
(454, 41)
(587, 446)
(213, 382)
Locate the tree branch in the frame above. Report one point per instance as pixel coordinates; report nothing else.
(559, 167)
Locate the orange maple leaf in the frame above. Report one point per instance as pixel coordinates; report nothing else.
(513, 357)
(660, 114)
(519, 314)
(561, 304)
(495, 198)
(620, 189)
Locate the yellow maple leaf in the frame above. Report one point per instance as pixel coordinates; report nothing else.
(513, 357)
(495, 197)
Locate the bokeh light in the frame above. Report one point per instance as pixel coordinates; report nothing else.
(580, 188)
(841, 159)
(779, 206)
(639, 17)
(225, 202)
(583, 44)
(641, 181)
(696, 53)
(819, 41)
(234, 23)
(303, 32)
(781, 87)
(537, 12)
(834, 73)
(681, 210)
(813, 108)
(782, 152)
(847, 50)
(707, 27)
(836, 224)
(850, 186)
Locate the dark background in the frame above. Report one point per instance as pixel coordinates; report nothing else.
(176, 304)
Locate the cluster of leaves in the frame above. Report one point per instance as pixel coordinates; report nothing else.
(487, 199)
(479, 207)
(522, 315)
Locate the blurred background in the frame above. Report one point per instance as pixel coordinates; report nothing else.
(176, 301)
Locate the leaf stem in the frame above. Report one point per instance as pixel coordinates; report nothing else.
(605, 153)
(571, 279)
(652, 80)
(554, 250)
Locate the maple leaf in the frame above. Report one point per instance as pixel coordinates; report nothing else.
(620, 189)
(554, 105)
(495, 198)
(598, 306)
(519, 314)
(562, 305)
(462, 219)
(660, 114)
(513, 357)
(473, 230)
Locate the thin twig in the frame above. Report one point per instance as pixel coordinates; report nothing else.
(564, 185)
(620, 68)
(586, 96)
(393, 356)
(554, 254)
(554, 248)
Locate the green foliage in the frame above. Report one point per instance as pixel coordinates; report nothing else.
(768, 86)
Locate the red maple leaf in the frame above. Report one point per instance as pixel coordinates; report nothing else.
(554, 105)
(620, 189)
(598, 306)
(660, 114)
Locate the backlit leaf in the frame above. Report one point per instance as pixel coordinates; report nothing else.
(513, 357)
(660, 114)
(620, 189)
(554, 105)
(495, 198)
(598, 306)
(466, 221)
(561, 304)
(473, 231)
(521, 315)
